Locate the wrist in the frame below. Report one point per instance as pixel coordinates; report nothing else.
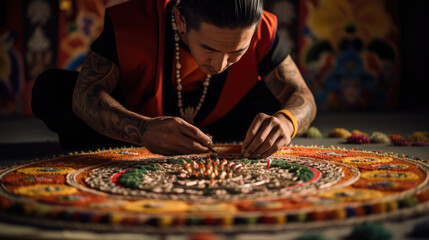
(284, 120)
(286, 117)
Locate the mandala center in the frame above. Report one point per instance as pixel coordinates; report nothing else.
(211, 170)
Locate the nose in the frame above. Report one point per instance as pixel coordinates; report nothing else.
(220, 62)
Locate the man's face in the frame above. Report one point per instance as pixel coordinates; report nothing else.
(215, 49)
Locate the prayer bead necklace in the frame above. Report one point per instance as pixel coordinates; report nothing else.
(189, 113)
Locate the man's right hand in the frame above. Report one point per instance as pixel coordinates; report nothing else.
(172, 136)
(93, 103)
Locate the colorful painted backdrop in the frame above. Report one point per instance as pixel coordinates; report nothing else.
(36, 35)
(79, 27)
(349, 53)
(11, 58)
(347, 50)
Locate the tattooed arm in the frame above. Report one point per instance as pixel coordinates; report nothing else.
(93, 103)
(267, 134)
(288, 86)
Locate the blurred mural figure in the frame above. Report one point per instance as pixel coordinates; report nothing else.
(40, 42)
(11, 77)
(81, 22)
(39, 49)
(11, 70)
(349, 53)
(36, 35)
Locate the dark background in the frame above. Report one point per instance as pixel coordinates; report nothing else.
(414, 18)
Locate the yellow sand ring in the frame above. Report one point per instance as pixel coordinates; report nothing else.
(350, 194)
(213, 208)
(366, 160)
(46, 170)
(45, 190)
(389, 175)
(151, 206)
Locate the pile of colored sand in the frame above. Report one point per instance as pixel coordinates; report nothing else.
(360, 133)
(418, 136)
(400, 142)
(313, 132)
(379, 137)
(394, 136)
(339, 133)
(358, 139)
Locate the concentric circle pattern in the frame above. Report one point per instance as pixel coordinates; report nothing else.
(133, 189)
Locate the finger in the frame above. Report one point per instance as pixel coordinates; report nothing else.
(210, 136)
(280, 142)
(251, 133)
(193, 132)
(268, 143)
(192, 145)
(183, 143)
(258, 140)
(188, 143)
(169, 144)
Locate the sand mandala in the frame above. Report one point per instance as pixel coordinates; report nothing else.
(132, 189)
(208, 180)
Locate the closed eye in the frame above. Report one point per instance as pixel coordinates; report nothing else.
(210, 49)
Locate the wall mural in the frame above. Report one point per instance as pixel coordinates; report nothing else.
(11, 63)
(347, 50)
(36, 35)
(349, 53)
(79, 27)
(40, 43)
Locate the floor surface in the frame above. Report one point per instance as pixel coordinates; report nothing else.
(27, 137)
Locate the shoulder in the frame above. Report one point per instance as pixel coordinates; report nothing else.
(265, 35)
(267, 27)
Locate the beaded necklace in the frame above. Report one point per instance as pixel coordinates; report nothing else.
(189, 113)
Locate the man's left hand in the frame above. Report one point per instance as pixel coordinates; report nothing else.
(266, 135)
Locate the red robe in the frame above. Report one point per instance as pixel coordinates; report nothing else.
(139, 28)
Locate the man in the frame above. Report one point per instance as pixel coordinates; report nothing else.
(219, 65)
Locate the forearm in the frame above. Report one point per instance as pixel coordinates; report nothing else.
(302, 106)
(94, 105)
(103, 114)
(288, 86)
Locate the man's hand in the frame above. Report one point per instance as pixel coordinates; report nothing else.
(93, 103)
(266, 135)
(173, 135)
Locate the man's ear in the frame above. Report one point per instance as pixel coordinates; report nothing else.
(180, 21)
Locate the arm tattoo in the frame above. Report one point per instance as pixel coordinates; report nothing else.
(287, 85)
(94, 105)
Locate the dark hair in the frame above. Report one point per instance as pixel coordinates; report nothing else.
(221, 13)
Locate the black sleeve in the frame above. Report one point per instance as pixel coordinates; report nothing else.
(105, 44)
(280, 49)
